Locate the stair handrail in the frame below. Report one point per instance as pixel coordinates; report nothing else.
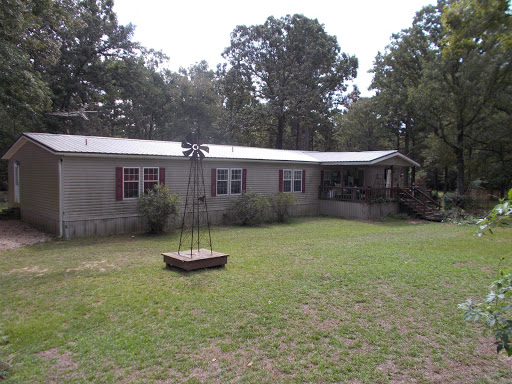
(429, 199)
(411, 197)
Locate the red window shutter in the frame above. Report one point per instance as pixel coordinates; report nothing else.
(214, 181)
(161, 175)
(303, 181)
(119, 183)
(280, 180)
(244, 180)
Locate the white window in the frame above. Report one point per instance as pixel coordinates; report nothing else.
(150, 179)
(287, 180)
(297, 181)
(236, 181)
(229, 181)
(131, 182)
(292, 180)
(222, 181)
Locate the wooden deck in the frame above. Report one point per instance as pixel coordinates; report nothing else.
(198, 259)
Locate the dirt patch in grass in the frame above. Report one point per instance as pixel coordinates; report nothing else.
(100, 266)
(15, 234)
(62, 367)
(30, 270)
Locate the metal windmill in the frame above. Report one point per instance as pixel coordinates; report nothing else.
(195, 226)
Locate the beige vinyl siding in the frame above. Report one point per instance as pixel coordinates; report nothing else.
(263, 178)
(89, 190)
(39, 187)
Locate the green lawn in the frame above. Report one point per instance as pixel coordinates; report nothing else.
(316, 300)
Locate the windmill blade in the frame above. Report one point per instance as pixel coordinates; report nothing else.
(188, 152)
(204, 148)
(201, 155)
(185, 144)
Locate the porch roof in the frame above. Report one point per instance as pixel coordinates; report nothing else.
(363, 158)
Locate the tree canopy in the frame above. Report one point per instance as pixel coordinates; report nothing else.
(294, 67)
(449, 75)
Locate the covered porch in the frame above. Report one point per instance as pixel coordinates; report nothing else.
(363, 185)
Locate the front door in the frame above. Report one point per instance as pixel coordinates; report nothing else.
(17, 182)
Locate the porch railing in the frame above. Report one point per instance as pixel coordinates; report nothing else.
(356, 194)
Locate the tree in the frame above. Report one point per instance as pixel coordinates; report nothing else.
(360, 129)
(200, 105)
(87, 45)
(450, 75)
(140, 99)
(28, 47)
(292, 65)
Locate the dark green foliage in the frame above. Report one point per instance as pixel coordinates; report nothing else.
(158, 208)
(281, 203)
(250, 208)
(497, 315)
(444, 88)
(453, 200)
(292, 65)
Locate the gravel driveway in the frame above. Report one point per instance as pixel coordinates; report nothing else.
(15, 233)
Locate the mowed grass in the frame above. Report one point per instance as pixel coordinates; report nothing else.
(315, 300)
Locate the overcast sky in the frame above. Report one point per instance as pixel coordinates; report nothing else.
(191, 31)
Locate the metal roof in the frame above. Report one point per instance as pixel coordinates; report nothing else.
(94, 145)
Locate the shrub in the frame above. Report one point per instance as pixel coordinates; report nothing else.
(250, 208)
(281, 203)
(497, 314)
(157, 207)
(452, 200)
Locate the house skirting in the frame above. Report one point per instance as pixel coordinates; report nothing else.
(135, 223)
(356, 210)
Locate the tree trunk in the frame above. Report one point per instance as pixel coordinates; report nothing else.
(459, 156)
(306, 137)
(299, 143)
(280, 131)
(445, 187)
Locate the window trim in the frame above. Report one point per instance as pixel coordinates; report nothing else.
(299, 171)
(238, 180)
(143, 182)
(125, 181)
(228, 181)
(285, 179)
(120, 181)
(292, 180)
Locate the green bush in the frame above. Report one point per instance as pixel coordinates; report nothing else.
(157, 207)
(495, 314)
(452, 200)
(281, 203)
(250, 208)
